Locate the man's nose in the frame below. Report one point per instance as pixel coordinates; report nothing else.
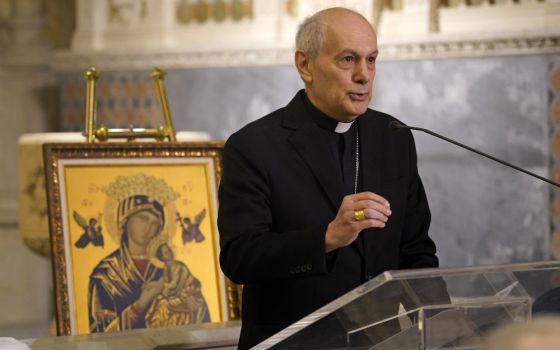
(362, 74)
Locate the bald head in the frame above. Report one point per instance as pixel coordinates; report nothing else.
(335, 57)
(312, 33)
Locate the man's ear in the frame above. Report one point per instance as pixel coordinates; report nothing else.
(302, 62)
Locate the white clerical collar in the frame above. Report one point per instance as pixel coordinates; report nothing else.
(341, 128)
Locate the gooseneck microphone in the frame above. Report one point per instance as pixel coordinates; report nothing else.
(395, 125)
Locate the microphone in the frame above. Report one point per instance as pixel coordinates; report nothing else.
(395, 125)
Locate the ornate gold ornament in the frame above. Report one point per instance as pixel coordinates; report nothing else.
(359, 215)
(127, 186)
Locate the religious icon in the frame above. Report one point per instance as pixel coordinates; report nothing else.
(141, 275)
(191, 230)
(128, 289)
(92, 231)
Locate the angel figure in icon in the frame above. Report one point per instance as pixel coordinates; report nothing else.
(91, 231)
(191, 229)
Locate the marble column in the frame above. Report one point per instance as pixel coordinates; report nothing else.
(26, 105)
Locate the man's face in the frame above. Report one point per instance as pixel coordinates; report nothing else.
(341, 76)
(142, 227)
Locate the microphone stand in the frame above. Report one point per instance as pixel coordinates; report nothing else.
(395, 125)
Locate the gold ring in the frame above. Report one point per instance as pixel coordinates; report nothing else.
(359, 215)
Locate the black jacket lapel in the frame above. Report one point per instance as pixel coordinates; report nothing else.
(312, 145)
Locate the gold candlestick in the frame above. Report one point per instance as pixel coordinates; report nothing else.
(91, 78)
(158, 76)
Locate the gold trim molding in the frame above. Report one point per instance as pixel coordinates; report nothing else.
(475, 47)
(431, 47)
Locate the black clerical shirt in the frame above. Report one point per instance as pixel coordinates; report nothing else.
(342, 144)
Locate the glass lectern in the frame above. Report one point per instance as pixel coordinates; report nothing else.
(449, 308)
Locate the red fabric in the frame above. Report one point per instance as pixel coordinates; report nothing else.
(141, 265)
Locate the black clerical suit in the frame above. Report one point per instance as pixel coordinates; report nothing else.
(282, 185)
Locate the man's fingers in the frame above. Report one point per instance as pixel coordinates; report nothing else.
(370, 209)
(368, 215)
(375, 214)
(357, 212)
(369, 223)
(356, 197)
(368, 204)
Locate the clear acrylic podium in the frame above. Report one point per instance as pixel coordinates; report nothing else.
(450, 308)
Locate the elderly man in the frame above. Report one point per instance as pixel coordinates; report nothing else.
(320, 196)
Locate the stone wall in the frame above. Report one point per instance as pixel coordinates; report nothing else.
(27, 105)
